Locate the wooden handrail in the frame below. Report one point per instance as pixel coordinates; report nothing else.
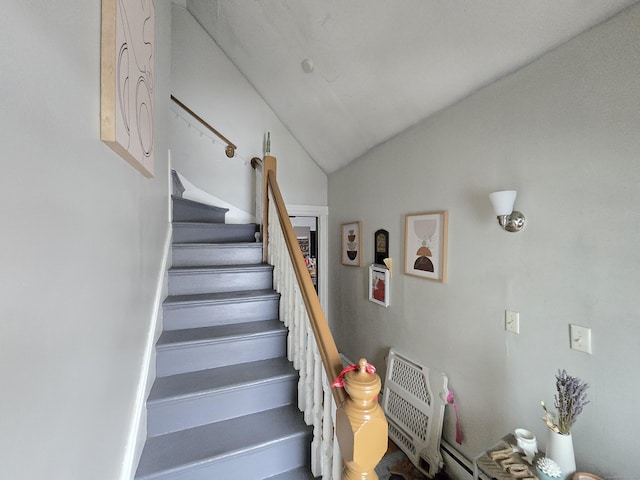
(230, 149)
(268, 165)
(326, 345)
(360, 425)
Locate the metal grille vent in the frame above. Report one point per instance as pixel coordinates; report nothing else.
(402, 440)
(411, 379)
(408, 415)
(414, 400)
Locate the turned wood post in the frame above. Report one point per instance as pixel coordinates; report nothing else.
(361, 425)
(268, 166)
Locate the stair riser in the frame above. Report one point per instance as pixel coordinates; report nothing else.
(254, 464)
(182, 283)
(194, 316)
(171, 416)
(213, 233)
(200, 255)
(171, 360)
(186, 211)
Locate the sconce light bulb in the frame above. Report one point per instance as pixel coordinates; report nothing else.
(509, 219)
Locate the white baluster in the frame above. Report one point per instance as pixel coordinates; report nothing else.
(295, 325)
(327, 429)
(303, 392)
(291, 337)
(308, 384)
(316, 444)
(280, 252)
(315, 398)
(309, 343)
(270, 238)
(337, 456)
(287, 311)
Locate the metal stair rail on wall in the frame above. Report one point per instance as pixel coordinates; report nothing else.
(349, 427)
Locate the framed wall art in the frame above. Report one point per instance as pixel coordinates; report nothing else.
(127, 80)
(425, 252)
(381, 246)
(379, 285)
(352, 244)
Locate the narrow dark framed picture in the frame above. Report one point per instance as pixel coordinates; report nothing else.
(425, 252)
(381, 246)
(379, 285)
(352, 244)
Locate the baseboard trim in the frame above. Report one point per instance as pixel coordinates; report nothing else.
(138, 428)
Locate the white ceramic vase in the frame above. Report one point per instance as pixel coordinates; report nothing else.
(560, 450)
(527, 443)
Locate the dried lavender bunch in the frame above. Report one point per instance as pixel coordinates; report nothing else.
(570, 400)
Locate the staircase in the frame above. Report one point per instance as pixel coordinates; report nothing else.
(223, 405)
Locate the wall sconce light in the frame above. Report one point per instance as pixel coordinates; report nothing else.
(509, 219)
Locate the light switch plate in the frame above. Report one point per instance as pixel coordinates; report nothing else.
(512, 321)
(580, 338)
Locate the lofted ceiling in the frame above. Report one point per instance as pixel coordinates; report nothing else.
(376, 67)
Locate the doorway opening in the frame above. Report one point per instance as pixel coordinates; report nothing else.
(320, 215)
(306, 229)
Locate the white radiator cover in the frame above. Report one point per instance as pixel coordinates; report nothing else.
(414, 400)
(456, 465)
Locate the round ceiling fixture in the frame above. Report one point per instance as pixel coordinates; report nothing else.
(307, 65)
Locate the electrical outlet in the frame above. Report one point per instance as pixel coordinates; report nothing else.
(512, 321)
(580, 338)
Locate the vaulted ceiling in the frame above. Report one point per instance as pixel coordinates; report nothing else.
(346, 75)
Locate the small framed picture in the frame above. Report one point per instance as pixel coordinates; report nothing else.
(352, 244)
(425, 252)
(379, 285)
(381, 242)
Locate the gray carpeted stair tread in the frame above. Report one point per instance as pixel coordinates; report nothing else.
(249, 245)
(204, 444)
(251, 373)
(224, 401)
(219, 333)
(220, 297)
(221, 268)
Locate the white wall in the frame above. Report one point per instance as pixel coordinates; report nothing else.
(82, 241)
(203, 78)
(564, 131)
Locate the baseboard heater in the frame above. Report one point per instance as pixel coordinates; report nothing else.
(456, 465)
